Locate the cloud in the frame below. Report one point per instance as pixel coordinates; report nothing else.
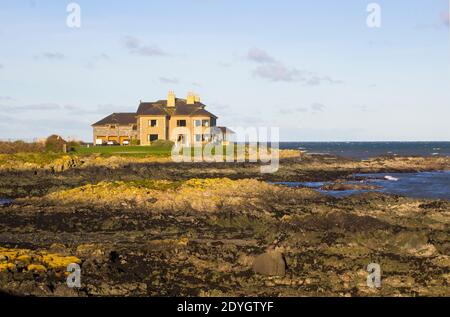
(218, 107)
(445, 18)
(443, 21)
(315, 107)
(54, 56)
(278, 72)
(95, 60)
(224, 64)
(102, 56)
(292, 111)
(167, 80)
(316, 80)
(131, 42)
(6, 98)
(362, 108)
(135, 46)
(318, 107)
(63, 108)
(27, 108)
(1, 66)
(275, 71)
(259, 56)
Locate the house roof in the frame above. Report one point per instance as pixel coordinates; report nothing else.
(225, 130)
(159, 108)
(123, 118)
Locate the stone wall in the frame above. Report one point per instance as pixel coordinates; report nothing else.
(118, 134)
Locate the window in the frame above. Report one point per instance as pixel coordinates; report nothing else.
(112, 126)
(153, 137)
(181, 123)
(181, 138)
(197, 123)
(202, 138)
(134, 127)
(205, 123)
(153, 123)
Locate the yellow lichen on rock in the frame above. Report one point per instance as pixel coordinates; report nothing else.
(203, 195)
(34, 260)
(58, 262)
(36, 268)
(7, 267)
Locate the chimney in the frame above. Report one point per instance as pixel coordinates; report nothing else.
(171, 99)
(197, 98)
(190, 100)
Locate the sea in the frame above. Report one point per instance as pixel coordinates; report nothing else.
(431, 185)
(366, 150)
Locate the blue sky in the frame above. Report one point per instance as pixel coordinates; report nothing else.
(313, 68)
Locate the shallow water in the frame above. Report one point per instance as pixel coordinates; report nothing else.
(5, 201)
(434, 185)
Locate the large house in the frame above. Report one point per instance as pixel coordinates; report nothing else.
(183, 121)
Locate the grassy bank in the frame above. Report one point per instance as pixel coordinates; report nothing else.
(160, 150)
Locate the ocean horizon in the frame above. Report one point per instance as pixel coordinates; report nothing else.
(366, 150)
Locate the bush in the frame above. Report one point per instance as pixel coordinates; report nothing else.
(135, 142)
(72, 145)
(20, 147)
(55, 143)
(162, 144)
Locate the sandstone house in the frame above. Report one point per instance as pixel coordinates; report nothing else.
(183, 121)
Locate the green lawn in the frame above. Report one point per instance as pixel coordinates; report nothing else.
(159, 150)
(163, 150)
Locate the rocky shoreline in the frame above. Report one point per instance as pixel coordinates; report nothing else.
(144, 227)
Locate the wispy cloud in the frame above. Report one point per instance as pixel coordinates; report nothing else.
(273, 70)
(442, 21)
(54, 56)
(6, 98)
(259, 56)
(30, 108)
(224, 64)
(135, 46)
(278, 72)
(445, 18)
(313, 108)
(1, 66)
(317, 107)
(291, 111)
(167, 80)
(25, 108)
(62, 109)
(95, 60)
(362, 108)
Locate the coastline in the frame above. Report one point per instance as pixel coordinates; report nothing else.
(148, 227)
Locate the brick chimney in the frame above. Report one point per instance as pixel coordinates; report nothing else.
(190, 100)
(171, 99)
